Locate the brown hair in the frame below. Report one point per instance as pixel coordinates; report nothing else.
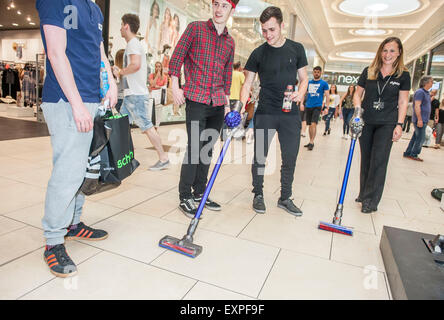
(133, 21)
(236, 65)
(376, 65)
(118, 61)
(336, 88)
(271, 12)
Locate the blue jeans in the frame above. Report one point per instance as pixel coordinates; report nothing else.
(63, 205)
(137, 108)
(415, 145)
(347, 114)
(331, 112)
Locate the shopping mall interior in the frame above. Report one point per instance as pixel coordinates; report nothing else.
(246, 255)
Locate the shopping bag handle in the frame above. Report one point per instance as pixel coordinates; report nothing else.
(113, 109)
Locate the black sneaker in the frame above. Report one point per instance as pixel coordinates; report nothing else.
(188, 207)
(289, 206)
(307, 145)
(325, 133)
(59, 263)
(310, 146)
(83, 232)
(367, 207)
(209, 204)
(259, 204)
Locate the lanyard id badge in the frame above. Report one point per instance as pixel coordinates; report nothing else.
(379, 105)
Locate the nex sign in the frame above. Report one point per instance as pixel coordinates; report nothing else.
(342, 78)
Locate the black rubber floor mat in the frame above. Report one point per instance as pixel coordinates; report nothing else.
(11, 129)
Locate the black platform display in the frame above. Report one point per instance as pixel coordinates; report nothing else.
(411, 268)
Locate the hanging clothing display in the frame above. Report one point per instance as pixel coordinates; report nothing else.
(28, 86)
(10, 83)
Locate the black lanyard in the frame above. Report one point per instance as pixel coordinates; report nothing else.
(379, 89)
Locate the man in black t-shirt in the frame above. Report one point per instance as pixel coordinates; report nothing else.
(279, 62)
(434, 106)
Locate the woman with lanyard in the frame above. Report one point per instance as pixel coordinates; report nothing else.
(386, 83)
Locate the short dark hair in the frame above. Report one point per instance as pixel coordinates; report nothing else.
(271, 12)
(133, 21)
(317, 68)
(235, 2)
(236, 65)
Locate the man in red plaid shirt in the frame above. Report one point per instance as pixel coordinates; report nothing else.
(207, 51)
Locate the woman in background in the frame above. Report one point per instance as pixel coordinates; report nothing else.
(347, 109)
(332, 105)
(439, 120)
(152, 30)
(165, 31)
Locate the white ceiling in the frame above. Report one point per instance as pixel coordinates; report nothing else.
(334, 31)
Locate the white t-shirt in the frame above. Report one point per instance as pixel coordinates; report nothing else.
(135, 83)
(334, 100)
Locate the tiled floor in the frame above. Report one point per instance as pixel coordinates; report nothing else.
(245, 255)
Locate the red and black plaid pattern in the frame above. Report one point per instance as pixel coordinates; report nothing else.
(208, 61)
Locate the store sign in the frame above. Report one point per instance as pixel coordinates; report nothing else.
(346, 79)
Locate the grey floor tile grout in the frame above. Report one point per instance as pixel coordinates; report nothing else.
(54, 277)
(269, 272)
(23, 255)
(15, 210)
(18, 229)
(223, 288)
(192, 287)
(248, 223)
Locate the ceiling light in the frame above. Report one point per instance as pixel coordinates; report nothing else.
(243, 9)
(32, 23)
(15, 24)
(28, 19)
(1, 25)
(19, 12)
(358, 55)
(8, 8)
(369, 32)
(380, 8)
(12, 5)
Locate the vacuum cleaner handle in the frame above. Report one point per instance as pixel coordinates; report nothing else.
(356, 123)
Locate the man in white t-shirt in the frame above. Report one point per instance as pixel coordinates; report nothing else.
(134, 76)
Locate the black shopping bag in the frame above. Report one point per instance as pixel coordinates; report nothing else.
(102, 172)
(117, 162)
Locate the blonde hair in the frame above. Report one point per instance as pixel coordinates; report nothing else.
(376, 65)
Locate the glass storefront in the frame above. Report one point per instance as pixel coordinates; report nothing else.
(437, 69)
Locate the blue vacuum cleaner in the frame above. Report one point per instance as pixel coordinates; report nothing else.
(185, 246)
(356, 126)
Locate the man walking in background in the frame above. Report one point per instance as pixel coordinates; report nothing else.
(135, 74)
(421, 115)
(317, 88)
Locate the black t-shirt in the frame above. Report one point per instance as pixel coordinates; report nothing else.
(389, 113)
(277, 68)
(434, 106)
(441, 116)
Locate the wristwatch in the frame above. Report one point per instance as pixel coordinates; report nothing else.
(400, 124)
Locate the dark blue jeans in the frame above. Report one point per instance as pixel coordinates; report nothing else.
(327, 118)
(415, 145)
(347, 114)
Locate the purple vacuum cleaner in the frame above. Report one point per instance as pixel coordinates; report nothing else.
(356, 126)
(185, 246)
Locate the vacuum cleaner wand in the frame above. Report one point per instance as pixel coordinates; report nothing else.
(356, 126)
(185, 245)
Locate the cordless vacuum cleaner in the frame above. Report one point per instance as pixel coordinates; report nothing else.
(356, 126)
(185, 246)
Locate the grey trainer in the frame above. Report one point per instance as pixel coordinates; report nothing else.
(289, 206)
(160, 166)
(259, 204)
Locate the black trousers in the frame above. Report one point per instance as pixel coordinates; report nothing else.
(288, 127)
(203, 123)
(376, 144)
(407, 122)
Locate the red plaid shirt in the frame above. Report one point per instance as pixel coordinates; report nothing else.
(208, 63)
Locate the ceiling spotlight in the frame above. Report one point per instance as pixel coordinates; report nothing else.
(379, 8)
(8, 8)
(19, 12)
(15, 24)
(12, 5)
(28, 19)
(32, 23)
(369, 32)
(1, 25)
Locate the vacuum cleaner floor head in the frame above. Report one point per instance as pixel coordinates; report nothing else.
(181, 246)
(335, 228)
